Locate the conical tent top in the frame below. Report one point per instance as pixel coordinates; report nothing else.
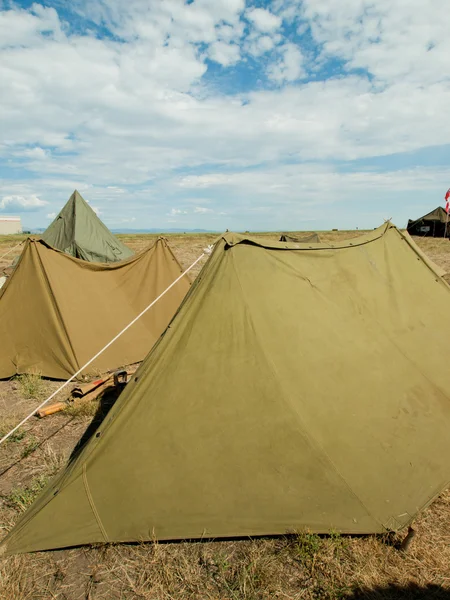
(78, 231)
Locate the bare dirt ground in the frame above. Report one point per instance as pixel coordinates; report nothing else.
(294, 567)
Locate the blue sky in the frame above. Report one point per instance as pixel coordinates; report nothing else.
(225, 114)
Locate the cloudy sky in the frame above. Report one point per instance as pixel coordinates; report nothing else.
(291, 114)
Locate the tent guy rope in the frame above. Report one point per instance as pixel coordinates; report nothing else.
(206, 251)
(11, 249)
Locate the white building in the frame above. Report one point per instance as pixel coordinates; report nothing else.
(10, 225)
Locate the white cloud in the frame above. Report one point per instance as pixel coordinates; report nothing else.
(321, 183)
(230, 33)
(127, 111)
(391, 40)
(202, 210)
(20, 27)
(119, 120)
(263, 19)
(289, 66)
(224, 54)
(122, 221)
(193, 181)
(262, 44)
(197, 200)
(36, 153)
(158, 21)
(51, 215)
(14, 202)
(297, 194)
(177, 211)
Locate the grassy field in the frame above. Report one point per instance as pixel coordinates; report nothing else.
(294, 567)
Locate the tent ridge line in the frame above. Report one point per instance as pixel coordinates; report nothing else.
(294, 246)
(92, 505)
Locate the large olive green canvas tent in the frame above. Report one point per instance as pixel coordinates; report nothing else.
(312, 238)
(78, 231)
(432, 224)
(57, 312)
(295, 388)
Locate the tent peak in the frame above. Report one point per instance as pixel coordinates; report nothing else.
(77, 230)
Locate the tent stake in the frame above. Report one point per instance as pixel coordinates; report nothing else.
(408, 539)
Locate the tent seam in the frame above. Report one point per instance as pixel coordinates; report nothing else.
(167, 247)
(58, 312)
(312, 442)
(92, 505)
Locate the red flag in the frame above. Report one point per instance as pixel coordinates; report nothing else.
(447, 201)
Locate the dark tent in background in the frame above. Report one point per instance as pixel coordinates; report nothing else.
(313, 238)
(432, 224)
(296, 388)
(79, 232)
(58, 311)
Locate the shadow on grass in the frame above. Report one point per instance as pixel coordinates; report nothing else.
(106, 402)
(38, 445)
(397, 592)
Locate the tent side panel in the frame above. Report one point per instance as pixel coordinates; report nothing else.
(34, 339)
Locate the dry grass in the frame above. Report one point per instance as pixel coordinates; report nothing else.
(31, 385)
(296, 567)
(81, 409)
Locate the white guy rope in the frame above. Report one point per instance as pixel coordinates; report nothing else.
(207, 250)
(11, 249)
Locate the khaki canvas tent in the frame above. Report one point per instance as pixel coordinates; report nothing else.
(79, 232)
(313, 238)
(432, 224)
(57, 312)
(295, 388)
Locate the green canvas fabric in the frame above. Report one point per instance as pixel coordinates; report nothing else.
(57, 312)
(79, 232)
(313, 238)
(438, 215)
(432, 224)
(295, 388)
